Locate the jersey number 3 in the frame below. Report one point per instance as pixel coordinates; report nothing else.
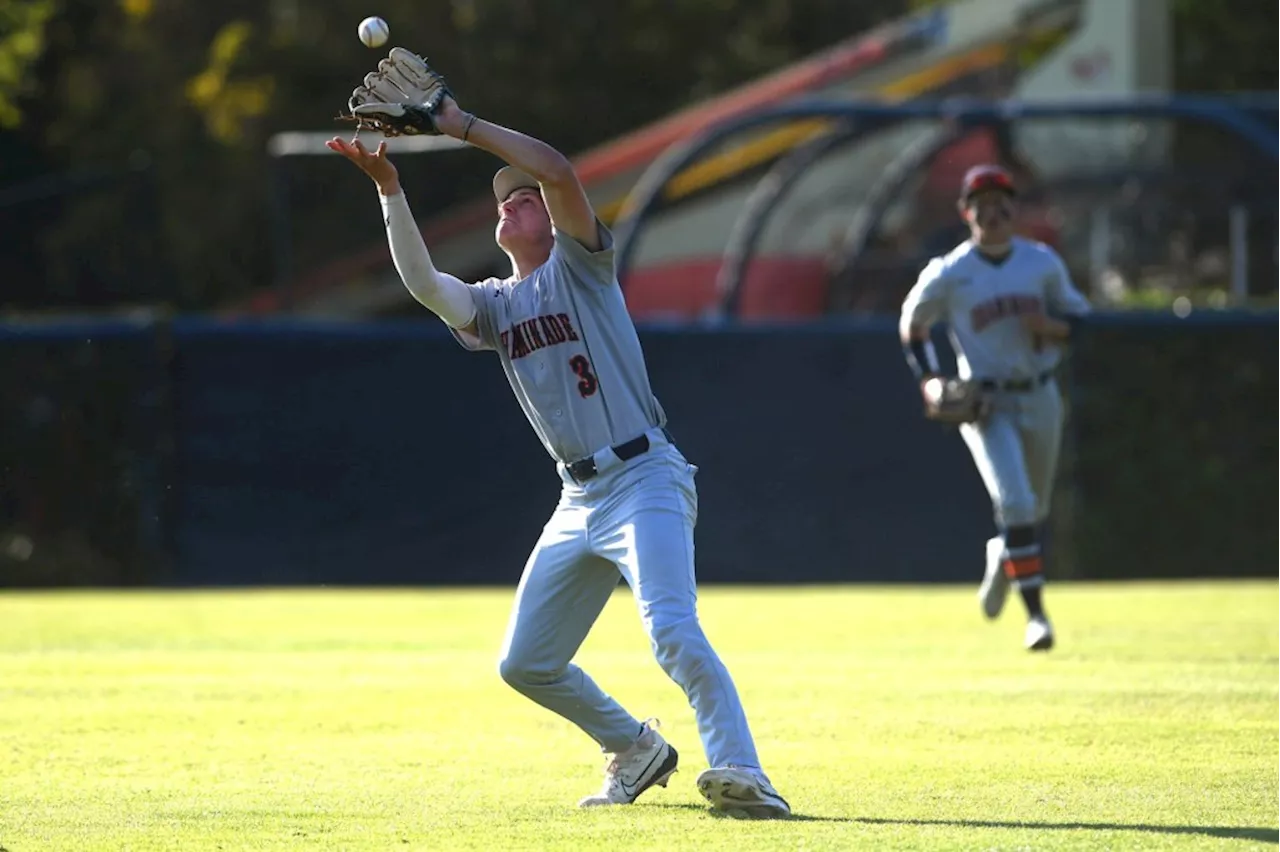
(587, 382)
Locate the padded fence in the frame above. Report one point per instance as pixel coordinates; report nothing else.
(197, 453)
(1173, 468)
(84, 444)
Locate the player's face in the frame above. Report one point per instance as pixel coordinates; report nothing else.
(522, 218)
(990, 215)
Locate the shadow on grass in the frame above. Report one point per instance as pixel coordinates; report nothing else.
(689, 806)
(1264, 835)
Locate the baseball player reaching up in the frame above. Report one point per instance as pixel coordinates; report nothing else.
(1010, 305)
(628, 504)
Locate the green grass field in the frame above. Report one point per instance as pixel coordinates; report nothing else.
(890, 718)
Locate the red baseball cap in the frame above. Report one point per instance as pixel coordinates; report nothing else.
(981, 178)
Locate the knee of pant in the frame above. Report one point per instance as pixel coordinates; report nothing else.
(510, 670)
(519, 673)
(677, 640)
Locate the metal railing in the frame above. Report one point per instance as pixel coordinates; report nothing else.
(1251, 119)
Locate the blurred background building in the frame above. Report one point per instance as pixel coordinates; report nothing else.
(811, 256)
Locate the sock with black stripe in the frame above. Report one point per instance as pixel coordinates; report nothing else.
(1024, 567)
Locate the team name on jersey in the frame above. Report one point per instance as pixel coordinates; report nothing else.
(538, 333)
(985, 313)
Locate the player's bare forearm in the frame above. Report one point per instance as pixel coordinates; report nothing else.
(1056, 329)
(547, 165)
(1047, 327)
(913, 331)
(918, 348)
(567, 202)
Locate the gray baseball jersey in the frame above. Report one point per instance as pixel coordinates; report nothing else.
(1015, 447)
(569, 349)
(981, 303)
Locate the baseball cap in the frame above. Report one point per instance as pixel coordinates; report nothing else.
(984, 177)
(508, 180)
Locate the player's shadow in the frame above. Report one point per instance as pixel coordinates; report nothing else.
(689, 806)
(1226, 832)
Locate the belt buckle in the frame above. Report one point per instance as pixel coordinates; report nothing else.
(582, 470)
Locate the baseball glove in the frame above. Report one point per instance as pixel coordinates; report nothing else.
(954, 401)
(401, 98)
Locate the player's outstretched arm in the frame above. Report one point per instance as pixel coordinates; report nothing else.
(921, 310)
(1047, 327)
(919, 350)
(446, 296)
(567, 202)
(1066, 307)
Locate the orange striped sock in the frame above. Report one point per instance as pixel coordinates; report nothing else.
(1026, 572)
(1023, 568)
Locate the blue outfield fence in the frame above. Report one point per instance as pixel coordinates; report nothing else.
(314, 453)
(388, 454)
(195, 452)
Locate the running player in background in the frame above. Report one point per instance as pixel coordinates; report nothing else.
(1009, 306)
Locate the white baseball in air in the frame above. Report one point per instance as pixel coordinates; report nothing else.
(374, 32)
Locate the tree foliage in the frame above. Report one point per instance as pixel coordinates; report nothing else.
(157, 113)
(133, 133)
(22, 29)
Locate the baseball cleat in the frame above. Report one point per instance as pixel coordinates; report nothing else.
(742, 792)
(995, 585)
(1039, 634)
(651, 760)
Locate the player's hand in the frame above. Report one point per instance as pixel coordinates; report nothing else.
(1044, 328)
(1043, 324)
(1034, 323)
(375, 164)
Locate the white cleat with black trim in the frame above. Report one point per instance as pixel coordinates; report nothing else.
(1039, 634)
(651, 760)
(742, 792)
(995, 585)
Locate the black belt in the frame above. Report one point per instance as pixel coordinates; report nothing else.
(585, 469)
(1017, 385)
